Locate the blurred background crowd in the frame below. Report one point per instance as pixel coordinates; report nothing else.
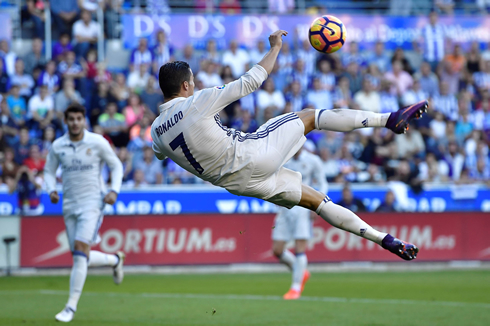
(449, 144)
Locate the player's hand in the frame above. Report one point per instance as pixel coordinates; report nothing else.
(54, 197)
(110, 198)
(275, 39)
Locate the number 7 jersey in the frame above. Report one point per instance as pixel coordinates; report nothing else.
(189, 131)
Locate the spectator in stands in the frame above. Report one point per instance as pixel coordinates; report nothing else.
(388, 205)
(318, 98)
(367, 98)
(399, 55)
(209, 75)
(308, 55)
(270, 97)
(238, 59)
(152, 96)
(482, 78)
(152, 167)
(64, 14)
(473, 58)
(49, 78)
(22, 145)
(428, 80)
(9, 167)
(162, 52)
(99, 102)
(410, 144)
(379, 57)
(126, 160)
(120, 91)
(61, 47)
(353, 74)
(134, 111)
(296, 97)
(438, 126)
(350, 202)
(432, 170)
(326, 76)
(35, 58)
(21, 79)
(446, 103)
(190, 57)
(299, 74)
(114, 125)
(433, 36)
(47, 140)
(388, 100)
(138, 180)
(481, 117)
(414, 94)
(482, 170)
(243, 121)
(455, 160)
(140, 55)
(36, 8)
(102, 76)
(230, 7)
(91, 5)
(41, 109)
(66, 96)
(464, 126)
(4, 80)
(9, 57)
(7, 124)
(353, 55)
(69, 68)
(401, 79)
(35, 162)
(17, 105)
(281, 6)
(212, 52)
(138, 79)
(445, 6)
(374, 76)
(285, 59)
(342, 95)
(257, 53)
(85, 33)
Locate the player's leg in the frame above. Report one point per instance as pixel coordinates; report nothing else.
(116, 261)
(344, 219)
(281, 233)
(345, 120)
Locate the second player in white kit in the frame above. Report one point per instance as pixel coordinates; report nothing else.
(81, 155)
(296, 223)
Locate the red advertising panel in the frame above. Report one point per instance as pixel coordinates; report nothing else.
(222, 239)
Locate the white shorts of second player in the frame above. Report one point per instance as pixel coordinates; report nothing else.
(83, 226)
(292, 224)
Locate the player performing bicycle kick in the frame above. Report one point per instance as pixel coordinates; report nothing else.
(188, 130)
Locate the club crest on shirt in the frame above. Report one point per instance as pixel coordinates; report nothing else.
(88, 152)
(221, 87)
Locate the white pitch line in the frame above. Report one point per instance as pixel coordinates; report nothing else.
(257, 298)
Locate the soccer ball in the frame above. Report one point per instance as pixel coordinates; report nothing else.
(327, 34)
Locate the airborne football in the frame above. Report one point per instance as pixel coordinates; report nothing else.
(245, 162)
(327, 34)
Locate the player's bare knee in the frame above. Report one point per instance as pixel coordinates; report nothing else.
(83, 247)
(278, 249)
(300, 246)
(308, 118)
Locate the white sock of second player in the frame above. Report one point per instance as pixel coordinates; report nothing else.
(299, 269)
(77, 278)
(97, 259)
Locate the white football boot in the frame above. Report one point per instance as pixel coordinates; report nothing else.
(66, 315)
(118, 269)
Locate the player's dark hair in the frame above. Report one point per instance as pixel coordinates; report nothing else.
(171, 77)
(74, 108)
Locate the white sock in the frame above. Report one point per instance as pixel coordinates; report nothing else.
(345, 120)
(344, 219)
(77, 278)
(299, 268)
(98, 258)
(288, 259)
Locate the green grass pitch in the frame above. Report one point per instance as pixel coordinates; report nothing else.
(391, 298)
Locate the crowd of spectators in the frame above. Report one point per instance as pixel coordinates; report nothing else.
(450, 143)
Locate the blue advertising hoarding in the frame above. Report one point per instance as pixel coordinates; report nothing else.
(209, 199)
(196, 29)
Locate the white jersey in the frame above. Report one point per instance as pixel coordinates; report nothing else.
(81, 165)
(189, 131)
(311, 168)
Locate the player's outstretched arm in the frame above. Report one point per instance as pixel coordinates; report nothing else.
(50, 167)
(269, 60)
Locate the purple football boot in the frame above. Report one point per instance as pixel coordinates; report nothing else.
(400, 248)
(399, 120)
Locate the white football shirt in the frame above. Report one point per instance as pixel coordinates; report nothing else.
(189, 131)
(81, 164)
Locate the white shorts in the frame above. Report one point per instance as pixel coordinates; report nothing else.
(84, 227)
(292, 224)
(284, 136)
